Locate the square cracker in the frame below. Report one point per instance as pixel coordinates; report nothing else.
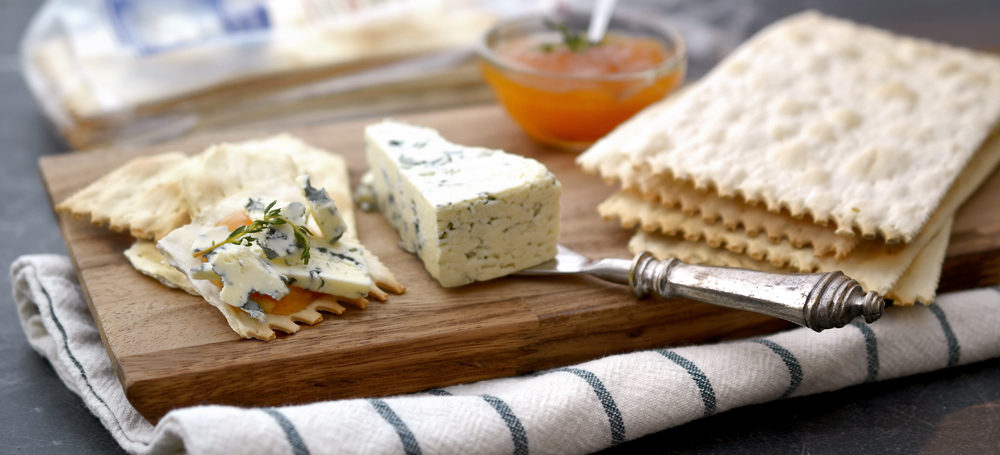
(917, 284)
(825, 118)
(632, 209)
(733, 213)
(878, 267)
(143, 197)
(233, 167)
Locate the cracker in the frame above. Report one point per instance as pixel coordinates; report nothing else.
(825, 118)
(153, 195)
(694, 252)
(145, 258)
(228, 168)
(141, 197)
(732, 212)
(920, 282)
(917, 284)
(176, 249)
(633, 210)
(877, 267)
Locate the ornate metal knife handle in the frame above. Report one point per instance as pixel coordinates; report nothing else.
(815, 300)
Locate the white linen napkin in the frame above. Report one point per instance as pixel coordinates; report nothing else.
(582, 408)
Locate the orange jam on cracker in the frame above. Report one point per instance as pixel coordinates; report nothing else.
(297, 298)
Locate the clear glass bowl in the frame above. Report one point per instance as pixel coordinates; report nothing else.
(568, 109)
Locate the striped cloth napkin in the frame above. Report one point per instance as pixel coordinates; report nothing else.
(582, 408)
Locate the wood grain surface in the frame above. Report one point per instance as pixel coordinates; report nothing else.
(171, 349)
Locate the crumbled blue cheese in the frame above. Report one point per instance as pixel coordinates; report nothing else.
(470, 214)
(323, 210)
(278, 240)
(208, 238)
(336, 269)
(274, 260)
(364, 194)
(243, 271)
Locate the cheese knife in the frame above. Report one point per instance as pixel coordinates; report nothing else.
(815, 300)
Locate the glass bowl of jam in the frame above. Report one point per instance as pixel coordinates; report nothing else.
(567, 92)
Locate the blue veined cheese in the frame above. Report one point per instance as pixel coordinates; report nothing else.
(364, 194)
(323, 210)
(470, 214)
(278, 241)
(336, 269)
(243, 271)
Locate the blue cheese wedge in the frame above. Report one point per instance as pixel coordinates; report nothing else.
(469, 213)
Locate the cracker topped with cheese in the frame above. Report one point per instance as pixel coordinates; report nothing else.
(263, 230)
(263, 258)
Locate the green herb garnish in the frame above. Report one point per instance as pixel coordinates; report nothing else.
(242, 234)
(573, 40)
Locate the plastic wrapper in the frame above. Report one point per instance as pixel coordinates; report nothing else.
(112, 71)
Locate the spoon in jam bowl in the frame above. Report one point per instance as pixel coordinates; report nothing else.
(815, 300)
(599, 20)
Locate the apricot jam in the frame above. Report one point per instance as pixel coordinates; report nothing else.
(297, 298)
(570, 97)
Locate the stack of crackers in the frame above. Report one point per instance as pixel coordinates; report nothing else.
(818, 145)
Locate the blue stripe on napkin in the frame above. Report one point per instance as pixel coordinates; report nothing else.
(707, 394)
(610, 408)
(871, 348)
(79, 366)
(517, 433)
(410, 445)
(793, 365)
(954, 350)
(291, 434)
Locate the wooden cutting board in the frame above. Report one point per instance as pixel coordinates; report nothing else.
(171, 349)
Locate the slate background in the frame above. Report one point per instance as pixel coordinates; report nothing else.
(949, 411)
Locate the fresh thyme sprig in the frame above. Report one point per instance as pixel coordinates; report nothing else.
(241, 235)
(574, 40)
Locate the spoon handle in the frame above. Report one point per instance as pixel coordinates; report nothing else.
(599, 20)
